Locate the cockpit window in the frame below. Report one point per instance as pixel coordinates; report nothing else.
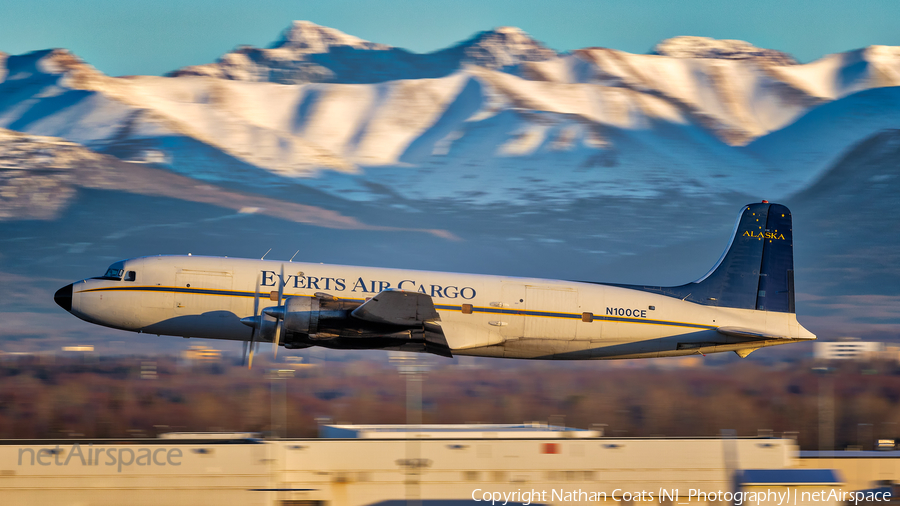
(130, 276)
(115, 272)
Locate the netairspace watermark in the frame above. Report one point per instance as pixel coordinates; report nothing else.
(89, 456)
(787, 496)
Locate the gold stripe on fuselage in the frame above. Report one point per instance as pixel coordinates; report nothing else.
(439, 307)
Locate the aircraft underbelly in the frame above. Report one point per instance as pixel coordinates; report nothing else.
(208, 325)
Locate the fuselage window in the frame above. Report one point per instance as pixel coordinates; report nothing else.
(130, 276)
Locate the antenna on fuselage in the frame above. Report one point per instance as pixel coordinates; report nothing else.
(264, 256)
(292, 258)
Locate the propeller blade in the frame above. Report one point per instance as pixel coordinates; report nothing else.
(278, 324)
(256, 299)
(244, 354)
(258, 323)
(281, 285)
(250, 363)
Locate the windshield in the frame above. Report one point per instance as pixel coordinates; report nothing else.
(114, 272)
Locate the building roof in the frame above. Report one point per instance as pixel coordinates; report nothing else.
(789, 477)
(454, 431)
(850, 454)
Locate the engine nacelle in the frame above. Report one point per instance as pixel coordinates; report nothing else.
(320, 317)
(301, 315)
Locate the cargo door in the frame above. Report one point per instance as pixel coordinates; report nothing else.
(552, 313)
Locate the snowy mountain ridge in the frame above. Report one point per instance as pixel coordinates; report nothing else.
(308, 53)
(307, 37)
(488, 119)
(687, 46)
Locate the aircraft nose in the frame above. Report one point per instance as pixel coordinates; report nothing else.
(63, 297)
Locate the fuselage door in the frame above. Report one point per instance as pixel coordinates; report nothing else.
(552, 313)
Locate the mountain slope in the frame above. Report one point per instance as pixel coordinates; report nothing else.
(40, 176)
(846, 228)
(488, 120)
(813, 143)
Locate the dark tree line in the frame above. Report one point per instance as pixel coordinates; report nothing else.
(119, 397)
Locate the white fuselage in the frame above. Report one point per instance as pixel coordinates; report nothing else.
(510, 317)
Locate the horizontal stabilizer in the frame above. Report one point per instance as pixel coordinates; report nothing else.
(397, 307)
(747, 333)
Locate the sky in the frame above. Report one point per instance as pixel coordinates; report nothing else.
(124, 37)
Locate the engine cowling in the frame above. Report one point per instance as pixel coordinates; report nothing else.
(321, 317)
(301, 315)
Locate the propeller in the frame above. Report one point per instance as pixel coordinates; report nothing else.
(280, 323)
(254, 322)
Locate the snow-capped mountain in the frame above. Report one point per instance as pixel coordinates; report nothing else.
(309, 53)
(487, 120)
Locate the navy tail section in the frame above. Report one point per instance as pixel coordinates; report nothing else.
(756, 271)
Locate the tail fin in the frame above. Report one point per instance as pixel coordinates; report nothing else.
(756, 271)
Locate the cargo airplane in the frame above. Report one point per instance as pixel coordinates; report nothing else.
(745, 302)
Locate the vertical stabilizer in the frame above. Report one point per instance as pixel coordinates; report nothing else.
(756, 271)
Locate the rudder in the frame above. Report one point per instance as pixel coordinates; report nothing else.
(776, 281)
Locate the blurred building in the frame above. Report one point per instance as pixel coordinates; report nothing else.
(429, 465)
(780, 486)
(849, 349)
(860, 470)
(298, 363)
(83, 348)
(202, 353)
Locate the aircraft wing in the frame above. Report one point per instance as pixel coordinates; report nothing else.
(747, 333)
(398, 307)
(410, 309)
